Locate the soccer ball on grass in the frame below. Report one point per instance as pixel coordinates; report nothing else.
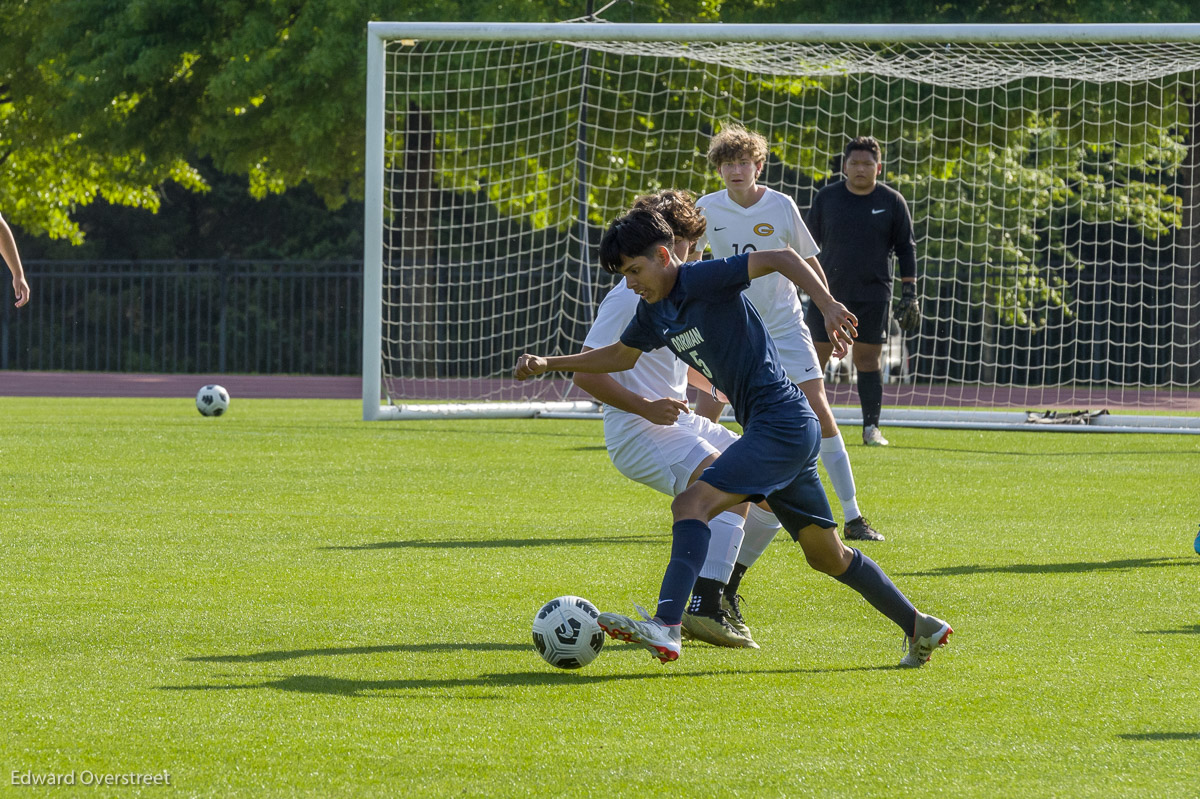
(212, 401)
(566, 634)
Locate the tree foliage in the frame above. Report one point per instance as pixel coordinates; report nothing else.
(110, 98)
(48, 171)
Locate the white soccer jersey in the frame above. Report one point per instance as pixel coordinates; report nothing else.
(657, 374)
(770, 224)
(660, 456)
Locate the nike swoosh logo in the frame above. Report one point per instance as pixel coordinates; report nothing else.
(878, 210)
(717, 228)
(811, 369)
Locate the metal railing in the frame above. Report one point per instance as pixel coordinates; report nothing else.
(210, 316)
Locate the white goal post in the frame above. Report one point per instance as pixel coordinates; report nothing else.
(1053, 173)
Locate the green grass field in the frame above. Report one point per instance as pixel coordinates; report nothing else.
(289, 602)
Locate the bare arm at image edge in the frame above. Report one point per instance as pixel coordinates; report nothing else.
(8, 248)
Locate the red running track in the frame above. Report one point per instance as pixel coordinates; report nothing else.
(112, 384)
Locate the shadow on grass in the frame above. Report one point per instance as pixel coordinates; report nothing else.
(337, 686)
(1160, 736)
(292, 654)
(504, 543)
(1192, 630)
(1057, 568)
(414, 427)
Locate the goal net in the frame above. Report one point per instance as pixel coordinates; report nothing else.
(1053, 176)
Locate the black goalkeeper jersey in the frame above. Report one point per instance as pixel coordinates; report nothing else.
(857, 235)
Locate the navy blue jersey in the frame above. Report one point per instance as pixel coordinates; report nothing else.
(708, 324)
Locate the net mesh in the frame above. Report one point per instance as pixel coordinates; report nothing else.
(1053, 189)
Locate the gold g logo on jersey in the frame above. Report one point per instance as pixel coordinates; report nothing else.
(764, 229)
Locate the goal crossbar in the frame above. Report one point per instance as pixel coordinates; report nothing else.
(1100, 33)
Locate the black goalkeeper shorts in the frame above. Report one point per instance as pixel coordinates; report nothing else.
(874, 318)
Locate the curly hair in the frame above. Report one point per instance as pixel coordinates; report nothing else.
(734, 143)
(678, 208)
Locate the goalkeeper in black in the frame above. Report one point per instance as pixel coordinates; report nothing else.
(858, 223)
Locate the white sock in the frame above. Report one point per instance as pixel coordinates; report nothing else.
(723, 546)
(760, 529)
(837, 463)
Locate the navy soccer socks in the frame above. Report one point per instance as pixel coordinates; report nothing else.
(865, 577)
(689, 546)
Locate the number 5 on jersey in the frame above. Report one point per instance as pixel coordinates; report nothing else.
(700, 364)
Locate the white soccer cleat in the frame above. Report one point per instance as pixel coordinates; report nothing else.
(662, 640)
(872, 437)
(930, 633)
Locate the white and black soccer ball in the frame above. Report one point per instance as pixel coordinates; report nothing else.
(212, 400)
(565, 632)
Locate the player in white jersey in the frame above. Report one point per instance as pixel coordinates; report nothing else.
(772, 222)
(654, 439)
(746, 217)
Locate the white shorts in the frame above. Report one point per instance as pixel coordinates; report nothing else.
(798, 354)
(665, 456)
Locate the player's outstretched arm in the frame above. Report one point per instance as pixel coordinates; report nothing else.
(664, 410)
(613, 358)
(8, 249)
(840, 324)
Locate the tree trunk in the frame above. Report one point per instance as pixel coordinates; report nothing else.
(417, 276)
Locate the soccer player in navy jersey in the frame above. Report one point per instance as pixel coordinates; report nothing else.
(652, 436)
(698, 311)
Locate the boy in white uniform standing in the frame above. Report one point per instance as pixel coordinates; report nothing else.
(747, 217)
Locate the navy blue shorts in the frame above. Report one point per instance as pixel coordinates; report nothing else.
(776, 459)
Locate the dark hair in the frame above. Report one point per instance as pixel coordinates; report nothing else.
(677, 207)
(866, 144)
(636, 233)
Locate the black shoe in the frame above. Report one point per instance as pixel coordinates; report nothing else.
(861, 530)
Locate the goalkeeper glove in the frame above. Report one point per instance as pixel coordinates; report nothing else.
(908, 312)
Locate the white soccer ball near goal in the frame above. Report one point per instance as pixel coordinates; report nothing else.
(565, 632)
(212, 400)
